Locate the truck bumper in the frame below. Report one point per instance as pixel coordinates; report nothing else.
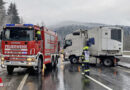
(19, 63)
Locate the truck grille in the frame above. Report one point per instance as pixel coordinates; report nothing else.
(15, 54)
(16, 51)
(10, 58)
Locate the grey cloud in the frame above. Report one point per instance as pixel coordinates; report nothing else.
(54, 11)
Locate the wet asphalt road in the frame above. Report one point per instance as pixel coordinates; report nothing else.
(68, 77)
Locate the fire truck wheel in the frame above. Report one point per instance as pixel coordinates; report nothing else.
(10, 69)
(50, 65)
(39, 69)
(56, 61)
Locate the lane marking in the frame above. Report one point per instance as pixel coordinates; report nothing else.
(123, 69)
(98, 82)
(2, 72)
(126, 71)
(20, 87)
(128, 56)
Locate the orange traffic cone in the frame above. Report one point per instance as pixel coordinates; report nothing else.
(43, 70)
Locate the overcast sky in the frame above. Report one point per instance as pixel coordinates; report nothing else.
(55, 11)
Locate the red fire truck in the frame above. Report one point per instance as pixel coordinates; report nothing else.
(28, 45)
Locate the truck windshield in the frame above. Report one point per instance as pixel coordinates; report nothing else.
(18, 35)
(116, 34)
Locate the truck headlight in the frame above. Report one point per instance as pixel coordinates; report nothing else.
(2, 59)
(29, 63)
(30, 59)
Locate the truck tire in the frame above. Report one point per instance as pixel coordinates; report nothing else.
(51, 65)
(39, 68)
(10, 70)
(53, 62)
(73, 60)
(107, 62)
(56, 61)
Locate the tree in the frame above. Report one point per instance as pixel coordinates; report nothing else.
(21, 20)
(2, 12)
(13, 14)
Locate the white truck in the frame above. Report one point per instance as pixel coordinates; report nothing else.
(105, 44)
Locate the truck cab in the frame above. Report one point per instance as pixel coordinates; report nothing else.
(73, 45)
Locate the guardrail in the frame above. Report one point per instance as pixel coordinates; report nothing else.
(126, 51)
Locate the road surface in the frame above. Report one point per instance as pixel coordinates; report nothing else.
(67, 77)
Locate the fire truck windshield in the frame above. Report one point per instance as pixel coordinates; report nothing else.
(18, 35)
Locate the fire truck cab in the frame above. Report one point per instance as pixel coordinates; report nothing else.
(28, 45)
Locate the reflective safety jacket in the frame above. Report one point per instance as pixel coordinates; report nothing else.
(87, 54)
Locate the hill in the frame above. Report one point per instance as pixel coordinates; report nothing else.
(67, 27)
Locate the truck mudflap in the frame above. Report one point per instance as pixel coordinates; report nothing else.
(116, 60)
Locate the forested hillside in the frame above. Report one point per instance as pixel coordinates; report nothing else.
(65, 28)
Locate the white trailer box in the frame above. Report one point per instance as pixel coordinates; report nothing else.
(108, 41)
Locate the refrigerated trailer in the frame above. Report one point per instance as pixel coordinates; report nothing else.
(28, 45)
(105, 44)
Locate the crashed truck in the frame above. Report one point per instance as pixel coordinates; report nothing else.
(105, 45)
(21, 46)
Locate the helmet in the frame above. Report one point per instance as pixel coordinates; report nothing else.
(38, 32)
(86, 48)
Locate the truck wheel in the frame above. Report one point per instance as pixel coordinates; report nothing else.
(107, 62)
(74, 60)
(10, 69)
(50, 65)
(56, 61)
(39, 68)
(52, 62)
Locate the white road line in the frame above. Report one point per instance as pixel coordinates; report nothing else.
(126, 71)
(20, 87)
(98, 82)
(122, 69)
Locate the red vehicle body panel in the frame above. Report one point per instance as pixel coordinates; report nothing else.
(50, 44)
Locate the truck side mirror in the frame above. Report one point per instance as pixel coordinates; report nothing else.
(58, 46)
(64, 47)
(1, 35)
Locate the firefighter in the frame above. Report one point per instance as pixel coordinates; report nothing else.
(38, 35)
(83, 58)
(85, 61)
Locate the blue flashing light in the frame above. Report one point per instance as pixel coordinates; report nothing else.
(27, 24)
(24, 52)
(10, 24)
